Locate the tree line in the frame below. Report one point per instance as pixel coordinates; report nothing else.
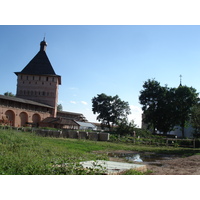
(163, 108)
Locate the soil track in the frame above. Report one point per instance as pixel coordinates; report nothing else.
(178, 166)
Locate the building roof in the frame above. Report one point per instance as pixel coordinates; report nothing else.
(20, 100)
(59, 120)
(85, 124)
(66, 112)
(40, 64)
(72, 115)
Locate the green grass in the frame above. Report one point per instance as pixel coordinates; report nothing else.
(26, 153)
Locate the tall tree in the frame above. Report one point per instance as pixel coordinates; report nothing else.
(166, 112)
(110, 109)
(186, 98)
(150, 99)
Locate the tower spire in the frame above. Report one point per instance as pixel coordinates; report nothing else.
(180, 80)
(43, 45)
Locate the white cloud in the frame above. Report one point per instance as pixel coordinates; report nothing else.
(73, 102)
(135, 108)
(136, 115)
(84, 102)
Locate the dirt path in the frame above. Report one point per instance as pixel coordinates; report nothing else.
(178, 166)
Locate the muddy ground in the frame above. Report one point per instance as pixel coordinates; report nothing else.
(177, 166)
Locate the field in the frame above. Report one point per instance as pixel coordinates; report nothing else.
(24, 153)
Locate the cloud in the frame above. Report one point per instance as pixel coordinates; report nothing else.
(73, 102)
(84, 102)
(135, 109)
(136, 115)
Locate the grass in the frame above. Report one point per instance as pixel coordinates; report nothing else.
(25, 153)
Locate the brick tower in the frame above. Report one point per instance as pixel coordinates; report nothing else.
(38, 80)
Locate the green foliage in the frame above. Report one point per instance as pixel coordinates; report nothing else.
(24, 153)
(49, 128)
(110, 109)
(186, 98)
(164, 107)
(135, 172)
(9, 94)
(195, 118)
(125, 128)
(59, 107)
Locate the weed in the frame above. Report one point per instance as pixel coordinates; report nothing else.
(24, 153)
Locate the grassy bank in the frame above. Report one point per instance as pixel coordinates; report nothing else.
(26, 153)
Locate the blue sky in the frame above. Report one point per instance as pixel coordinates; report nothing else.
(115, 60)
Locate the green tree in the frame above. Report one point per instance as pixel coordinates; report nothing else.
(10, 94)
(125, 128)
(110, 109)
(166, 117)
(154, 100)
(195, 118)
(59, 107)
(164, 107)
(186, 98)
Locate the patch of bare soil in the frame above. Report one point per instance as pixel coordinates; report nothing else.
(178, 166)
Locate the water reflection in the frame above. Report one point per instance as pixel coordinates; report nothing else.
(135, 158)
(146, 157)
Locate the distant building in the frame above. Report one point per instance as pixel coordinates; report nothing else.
(85, 125)
(36, 98)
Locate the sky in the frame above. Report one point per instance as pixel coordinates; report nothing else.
(110, 59)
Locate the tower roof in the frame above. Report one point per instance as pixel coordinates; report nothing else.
(40, 64)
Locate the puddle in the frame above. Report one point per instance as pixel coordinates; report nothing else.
(143, 158)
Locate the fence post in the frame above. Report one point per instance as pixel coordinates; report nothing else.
(167, 142)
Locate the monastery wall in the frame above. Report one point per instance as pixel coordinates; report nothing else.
(20, 116)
